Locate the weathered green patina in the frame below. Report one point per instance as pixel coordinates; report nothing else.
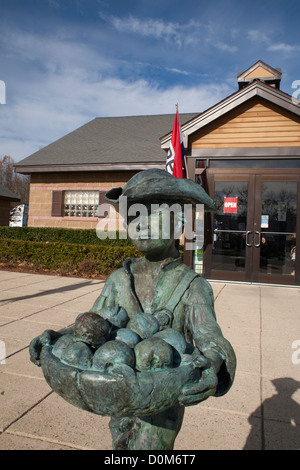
(150, 345)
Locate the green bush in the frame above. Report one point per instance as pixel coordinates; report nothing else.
(66, 257)
(60, 235)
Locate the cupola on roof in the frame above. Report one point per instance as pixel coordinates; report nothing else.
(260, 71)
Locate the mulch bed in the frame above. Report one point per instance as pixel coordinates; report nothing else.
(27, 268)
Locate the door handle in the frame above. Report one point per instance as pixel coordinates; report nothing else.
(247, 234)
(259, 238)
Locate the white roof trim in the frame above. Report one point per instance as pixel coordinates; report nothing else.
(255, 88)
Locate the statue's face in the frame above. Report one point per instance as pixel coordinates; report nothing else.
(152, 233)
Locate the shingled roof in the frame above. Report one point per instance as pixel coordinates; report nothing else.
(7, 194)
(109, 140)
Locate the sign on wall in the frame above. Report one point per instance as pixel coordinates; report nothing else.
(230, 205)
(264, 221)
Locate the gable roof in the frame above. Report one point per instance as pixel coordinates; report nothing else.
(105, 141)
(259, 70)
(255, 88)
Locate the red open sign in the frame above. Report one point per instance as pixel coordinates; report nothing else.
(230, 205)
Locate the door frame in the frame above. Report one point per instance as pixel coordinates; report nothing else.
(227, 175)
(254, 177)
(257, 276)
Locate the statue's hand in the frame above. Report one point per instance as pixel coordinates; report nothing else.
(37, 343)
(194, 393)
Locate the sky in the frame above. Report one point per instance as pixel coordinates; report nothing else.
(65, 62)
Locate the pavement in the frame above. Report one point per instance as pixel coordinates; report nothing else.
(261, 410)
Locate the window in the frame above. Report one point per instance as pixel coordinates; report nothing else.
(81, 203)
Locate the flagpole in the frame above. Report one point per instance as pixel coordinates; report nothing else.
(186, 168)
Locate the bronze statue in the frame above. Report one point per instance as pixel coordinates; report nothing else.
(150, 344)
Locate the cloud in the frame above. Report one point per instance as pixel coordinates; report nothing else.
(190, 34)
(58, 82)
(57, 53)
(63, 103)
(285, 48)
(54, 4)
(222, 46)
(256, 35)
(154, 28)
(175, 70)
(150, 27)
(261, 37)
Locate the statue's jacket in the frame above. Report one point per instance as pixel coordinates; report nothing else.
(190, 300)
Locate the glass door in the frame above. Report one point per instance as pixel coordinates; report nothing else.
(274, 231)
(231, 235)
(254, 229)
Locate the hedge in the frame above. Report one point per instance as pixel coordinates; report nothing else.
(60, 235)
(66, 257)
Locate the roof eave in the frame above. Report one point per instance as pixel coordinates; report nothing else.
(11, 199)
(255, 88)
(67, 168)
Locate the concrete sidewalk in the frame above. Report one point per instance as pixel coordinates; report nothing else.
(261, 411)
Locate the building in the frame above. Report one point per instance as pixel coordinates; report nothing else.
(245, 149)
(70, 176)
(7, 197)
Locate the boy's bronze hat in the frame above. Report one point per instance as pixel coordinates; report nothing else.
(160, 186)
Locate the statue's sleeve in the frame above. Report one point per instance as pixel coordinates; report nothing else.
(202, 326)
(108, 296)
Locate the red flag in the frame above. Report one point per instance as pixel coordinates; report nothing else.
(176, 151)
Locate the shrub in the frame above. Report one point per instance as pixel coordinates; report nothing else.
(60, 235)
(66, 257)
(88, 267)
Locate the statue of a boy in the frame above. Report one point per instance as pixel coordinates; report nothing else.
(159, 284)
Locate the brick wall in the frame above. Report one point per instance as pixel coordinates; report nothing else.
(42, 186)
